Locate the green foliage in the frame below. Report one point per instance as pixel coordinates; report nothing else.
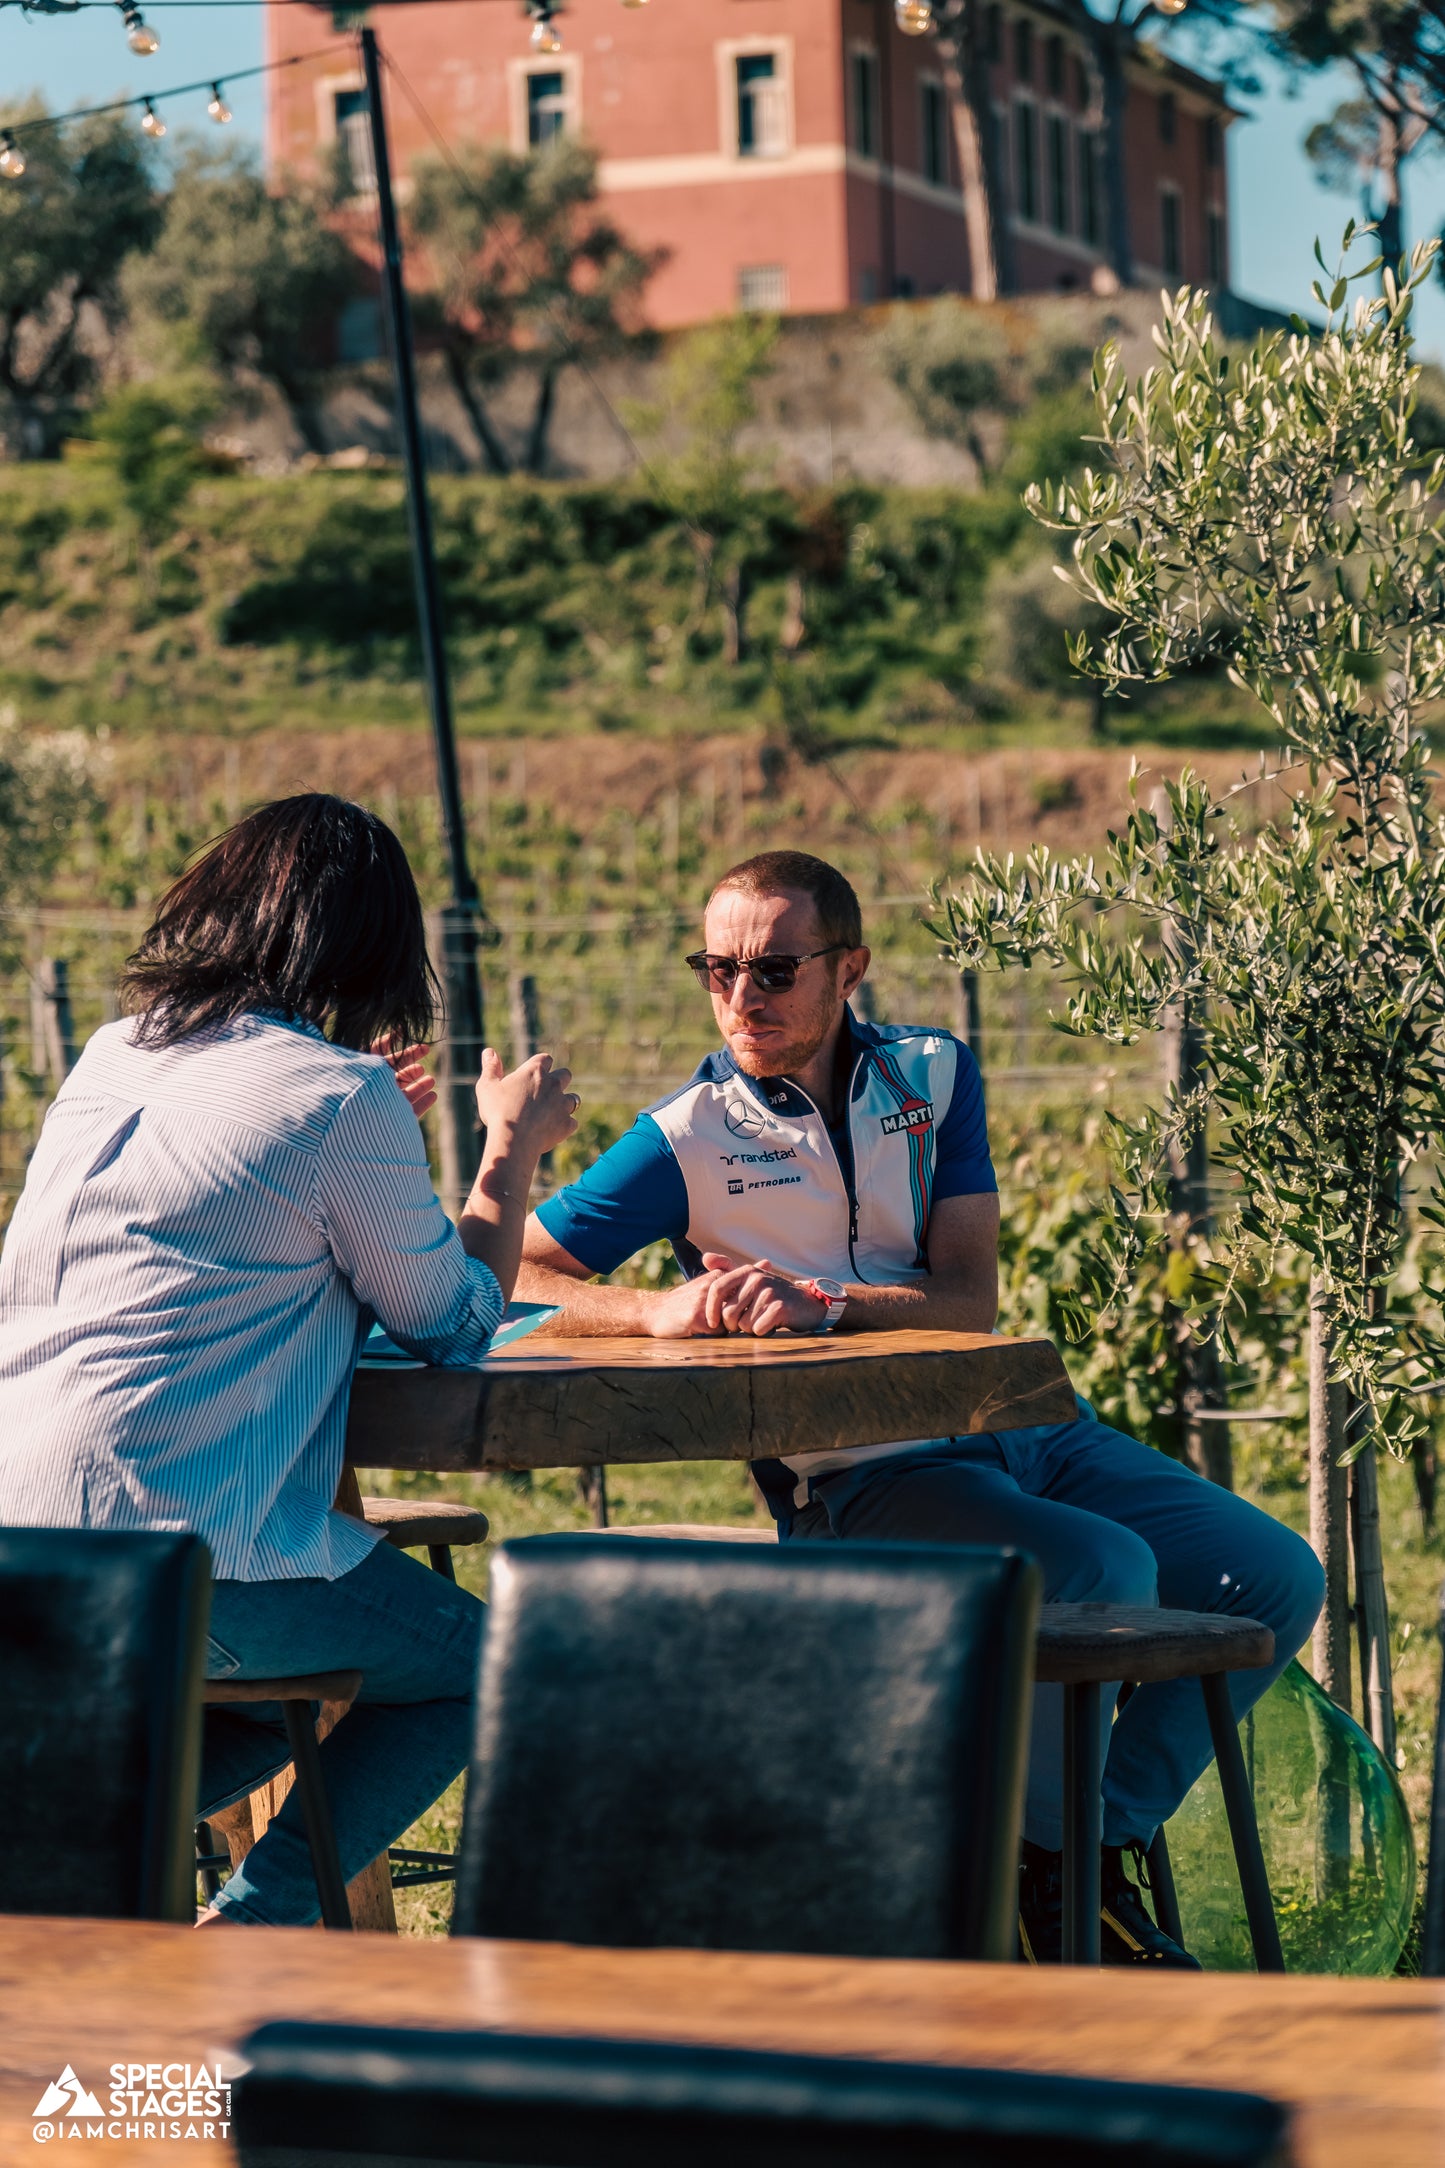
(242, 280)
(523, 265)
(44, 794)
(149, 435)
(1273, 513)
(84, 205)
(1019, 404)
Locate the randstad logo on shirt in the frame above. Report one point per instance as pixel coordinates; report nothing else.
(919, 1117)
(144, 2100)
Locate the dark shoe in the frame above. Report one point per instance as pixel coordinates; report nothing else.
(1128, 1936)
(1041, 1906)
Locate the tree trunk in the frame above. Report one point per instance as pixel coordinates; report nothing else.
(734, 589)
(976, 140)
(537, 436)
(1389, 159)
(1372, 1608)
(494, 452)
(1111, 42)
(1329, 1510)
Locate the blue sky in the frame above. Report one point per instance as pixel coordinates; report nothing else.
(1278, 206)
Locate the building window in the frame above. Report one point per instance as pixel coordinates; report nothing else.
(1054, 66)
(993, 34)
(1171, 254)
(1091, 223)
(1168, 116)
(1058, 172)
(1214, 243)
(358, 330)
(761, 116)
(867, 285)
(1023, 49)
(763, 286)
(547, 104)
(1081, 82)
(863, 75)
(1213, 140)
(353, 132)
(1026, 157)
(933, 131)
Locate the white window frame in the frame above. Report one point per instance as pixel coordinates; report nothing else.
(862, 49)
(781, 297)
(326, 92)
(520, 72)
(728, 52)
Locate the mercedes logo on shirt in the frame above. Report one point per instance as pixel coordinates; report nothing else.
(744, 1119)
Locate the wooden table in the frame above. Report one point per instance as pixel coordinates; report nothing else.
(557, 1403)
(1362, 2062)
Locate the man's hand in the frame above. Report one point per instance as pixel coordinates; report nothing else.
(408, 1066)
(682, 1313)
(759, 1299)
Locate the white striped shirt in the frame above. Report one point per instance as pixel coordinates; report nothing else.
(203, 1231)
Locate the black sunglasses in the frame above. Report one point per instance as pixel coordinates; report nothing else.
(770, 974)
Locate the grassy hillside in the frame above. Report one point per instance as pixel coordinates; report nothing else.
(859, 614)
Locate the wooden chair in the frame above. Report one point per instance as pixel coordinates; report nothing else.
(699, 1744)
(1432, 1951)
(349, 2094)
(102, 1650)
(298, 1697)
(434, 1525)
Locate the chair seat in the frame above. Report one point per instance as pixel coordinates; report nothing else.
(1079, 1642)
(306, 1686)
(693, 1531)
(411, 1522)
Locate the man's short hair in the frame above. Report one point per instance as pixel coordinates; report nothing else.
(840, 921)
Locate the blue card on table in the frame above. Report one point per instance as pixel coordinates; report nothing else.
(381, 1353)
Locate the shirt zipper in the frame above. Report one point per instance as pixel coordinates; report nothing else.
(850, 1191)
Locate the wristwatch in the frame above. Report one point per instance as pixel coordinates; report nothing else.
(834, 1297)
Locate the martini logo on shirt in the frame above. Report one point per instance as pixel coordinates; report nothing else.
(915, 1117)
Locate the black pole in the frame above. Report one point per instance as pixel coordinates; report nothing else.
(461, 981)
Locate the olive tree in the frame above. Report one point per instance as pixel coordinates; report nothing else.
(1270, 511)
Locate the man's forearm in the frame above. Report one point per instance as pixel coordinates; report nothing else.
(925, 1306)
(588, 1311)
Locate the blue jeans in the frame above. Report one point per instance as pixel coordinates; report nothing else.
(1109, 1521)
(416, 1639)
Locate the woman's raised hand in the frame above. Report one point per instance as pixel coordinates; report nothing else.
(409, 1067)
(532, 1104)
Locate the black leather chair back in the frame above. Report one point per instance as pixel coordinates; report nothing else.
(814, 1747)
(102, 1653)
(347, 2095)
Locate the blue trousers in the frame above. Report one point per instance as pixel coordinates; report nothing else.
(416, 1639)
(1109, 1521)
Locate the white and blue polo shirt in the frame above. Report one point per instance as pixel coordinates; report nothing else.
(749, 1166)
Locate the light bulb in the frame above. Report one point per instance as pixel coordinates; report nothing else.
(634, 3)
(913, 17)
(1171, 7)
(138, 33)
(12, 158)
(545, 37)
(151, 123)
(218, 109)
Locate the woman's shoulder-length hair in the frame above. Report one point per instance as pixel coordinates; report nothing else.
(307, 907)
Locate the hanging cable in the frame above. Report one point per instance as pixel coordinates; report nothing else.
(153, 98)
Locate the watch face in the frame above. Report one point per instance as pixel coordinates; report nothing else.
(834, 1289)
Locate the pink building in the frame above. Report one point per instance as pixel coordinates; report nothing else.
(787, 154)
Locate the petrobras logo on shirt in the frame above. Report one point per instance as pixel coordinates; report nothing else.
(919, 1117)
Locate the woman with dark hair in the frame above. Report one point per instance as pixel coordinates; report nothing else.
(229, 1186)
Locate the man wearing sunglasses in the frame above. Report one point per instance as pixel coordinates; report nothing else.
(820, 1174)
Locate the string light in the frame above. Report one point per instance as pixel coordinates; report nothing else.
(1171, 7)
(218, 109)
(12, 158)
(138, 33)
(915, 17)
(546, 38)
(151, 123)
(634, 3)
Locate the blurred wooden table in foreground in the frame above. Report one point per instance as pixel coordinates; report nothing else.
(557, 1403)
(1362, 2062)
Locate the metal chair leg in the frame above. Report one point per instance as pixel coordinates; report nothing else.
(1161, 1888)
(439, 1558)
(1083, 1823)
(316, 1810)
(205, 1853)
(1243, 1827)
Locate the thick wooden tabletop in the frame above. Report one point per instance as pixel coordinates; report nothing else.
(1361, 2062)
(557, 1403)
